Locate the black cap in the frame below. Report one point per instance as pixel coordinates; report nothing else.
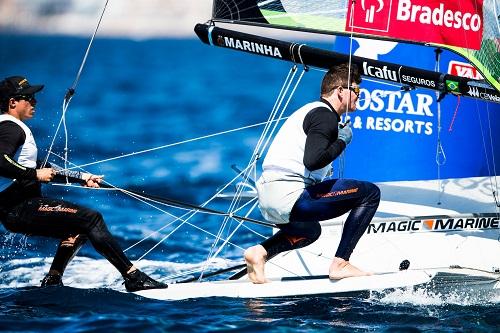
(17, 85)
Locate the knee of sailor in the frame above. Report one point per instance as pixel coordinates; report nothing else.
(96, 219)
(373, 192)
(314, 232)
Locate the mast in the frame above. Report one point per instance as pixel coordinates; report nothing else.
(408, 77)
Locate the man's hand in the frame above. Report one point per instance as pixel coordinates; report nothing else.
(92, 180)
(45, 174)
(345, 133)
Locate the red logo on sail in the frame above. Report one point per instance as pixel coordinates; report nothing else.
(456, 23)
(464, 69)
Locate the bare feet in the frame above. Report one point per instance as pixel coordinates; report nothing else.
(255, 258)
(341, 268)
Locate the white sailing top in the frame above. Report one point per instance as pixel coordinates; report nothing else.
(26, 155)
(287, 148)
(285, 176)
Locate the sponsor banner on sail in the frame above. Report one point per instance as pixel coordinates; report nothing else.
(456, 23)
(400, 134)
(464, 69)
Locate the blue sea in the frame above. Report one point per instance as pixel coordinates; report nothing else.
(135, 96)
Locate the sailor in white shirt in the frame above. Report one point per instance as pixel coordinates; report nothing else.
(294, 191)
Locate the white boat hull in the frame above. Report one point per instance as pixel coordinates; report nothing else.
(456, 280)
(453, 249)
(384, 250)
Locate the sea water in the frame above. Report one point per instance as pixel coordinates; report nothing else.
(135, 103)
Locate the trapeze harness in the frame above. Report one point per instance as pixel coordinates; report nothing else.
(295, 193)
(23, 209)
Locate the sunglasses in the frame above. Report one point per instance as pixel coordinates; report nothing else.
(355, 90)
(29, 98)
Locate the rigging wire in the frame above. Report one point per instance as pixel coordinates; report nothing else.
(70, 93)
(254, 157)
(342, 158)
(147, 199)
(277, 103)
(269, 135)
(225, 242)
(260, 149)
(491, 173)
(440, 154)
(182, 218)
(265, 137)
(494, 187)
(81, 166)
(257, 151)
(190, 214)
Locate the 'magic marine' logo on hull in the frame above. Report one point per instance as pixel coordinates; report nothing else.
(245, 45)
(443, 224)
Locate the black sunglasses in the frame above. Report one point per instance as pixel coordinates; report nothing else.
(355, 90)
(28, 98)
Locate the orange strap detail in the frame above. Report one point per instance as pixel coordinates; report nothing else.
(293, 239)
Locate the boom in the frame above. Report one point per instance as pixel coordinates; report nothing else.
(315, 57)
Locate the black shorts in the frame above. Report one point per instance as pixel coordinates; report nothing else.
(49, 217)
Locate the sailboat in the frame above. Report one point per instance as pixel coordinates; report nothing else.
(440, 235)
(436, 234)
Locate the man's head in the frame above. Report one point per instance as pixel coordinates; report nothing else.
(337, 89)
(18, 95)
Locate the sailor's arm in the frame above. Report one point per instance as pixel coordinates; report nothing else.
(322, 146)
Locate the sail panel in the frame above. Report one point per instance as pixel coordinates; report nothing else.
(454, 23)
(330, 17)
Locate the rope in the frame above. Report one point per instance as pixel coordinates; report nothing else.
(214, 255)
(255, 154)
(454, 115)
(260, 148)
(342, 157)
(494, 187)
(439, 147)
(147, 201)
(81, 166)
(71, 92)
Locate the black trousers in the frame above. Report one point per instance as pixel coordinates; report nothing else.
(326, 200)
(61, 219)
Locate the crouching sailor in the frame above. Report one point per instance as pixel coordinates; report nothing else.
(293, 191)
(23, 208)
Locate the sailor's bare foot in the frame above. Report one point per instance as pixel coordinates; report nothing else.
(255, 258)
(341, 268)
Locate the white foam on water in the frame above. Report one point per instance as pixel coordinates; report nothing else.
(84, 272)
(426, 297)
